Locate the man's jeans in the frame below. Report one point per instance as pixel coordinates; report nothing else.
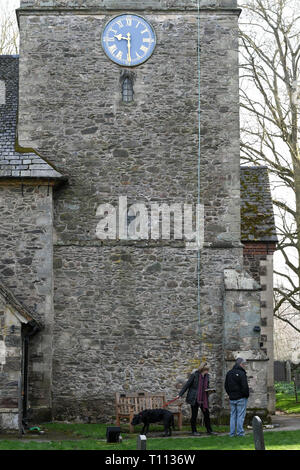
(237, 416)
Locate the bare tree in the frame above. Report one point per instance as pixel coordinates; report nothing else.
(270, 99)
(286, 337)
(9, 32)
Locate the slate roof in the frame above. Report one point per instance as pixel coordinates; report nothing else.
(258, 223)
(25, 163)
(24, 312)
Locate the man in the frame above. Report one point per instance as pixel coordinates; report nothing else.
(236, 386)
(197, 386)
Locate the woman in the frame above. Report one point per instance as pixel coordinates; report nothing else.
(197, 386)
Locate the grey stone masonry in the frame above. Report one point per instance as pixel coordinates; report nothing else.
(12, 316)
(128, 4)
(241, 318)
(13, 163)
(26, 267)
(126, 314)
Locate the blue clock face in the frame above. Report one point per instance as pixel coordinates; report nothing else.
(128, 40)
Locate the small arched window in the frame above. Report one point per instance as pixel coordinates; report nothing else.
(2, 92)
(127, 90)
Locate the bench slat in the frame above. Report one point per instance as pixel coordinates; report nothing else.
(128, 404)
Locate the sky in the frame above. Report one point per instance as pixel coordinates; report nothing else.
(9, 4)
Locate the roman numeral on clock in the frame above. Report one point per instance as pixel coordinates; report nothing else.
(112, 48)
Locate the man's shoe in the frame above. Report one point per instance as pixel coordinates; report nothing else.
(211, 433)
(196, 434)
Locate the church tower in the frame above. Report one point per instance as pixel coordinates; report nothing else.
(137, 103)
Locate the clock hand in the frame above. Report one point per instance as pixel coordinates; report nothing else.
(119, 37)
(129, 47)
(128, 39)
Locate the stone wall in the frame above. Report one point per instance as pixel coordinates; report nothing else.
(258, 260)
(128, 4)
(10, 367)
(242, 323)
(26, 268)
(127, 315)
(110, 149)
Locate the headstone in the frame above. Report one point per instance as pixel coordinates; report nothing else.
(258, 433)
(113, 433)
(297, 377)
(295, 389)
(20, 406)
(141, 442)
(288, 371)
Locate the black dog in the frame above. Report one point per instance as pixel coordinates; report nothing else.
(154, 416)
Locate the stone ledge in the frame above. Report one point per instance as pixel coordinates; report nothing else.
(239, 281)
(9, 410)
(32, 180)
(129, 4)
(115, 11)
(250, 356)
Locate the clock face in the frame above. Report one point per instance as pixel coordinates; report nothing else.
(128, 40)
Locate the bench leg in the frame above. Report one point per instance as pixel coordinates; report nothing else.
(131, 427)
(180, 421)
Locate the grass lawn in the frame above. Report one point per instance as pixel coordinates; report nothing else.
(92, 437)
(63, 436)
(287, 403)
(285, 398)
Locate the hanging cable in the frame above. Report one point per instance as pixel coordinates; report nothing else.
(199, 169)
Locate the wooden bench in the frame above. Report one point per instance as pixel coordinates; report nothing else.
(129, 404)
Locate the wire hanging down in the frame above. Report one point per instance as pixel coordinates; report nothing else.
(199, 162)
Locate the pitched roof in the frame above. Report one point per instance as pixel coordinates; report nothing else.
(16, 162)
(24, 314)
(258, 223)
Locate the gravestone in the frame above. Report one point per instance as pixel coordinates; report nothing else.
(258, 433)
(20, 407)
(295, 389)
(113, 434)
(297, 376)
(288, 372)
(141, 442)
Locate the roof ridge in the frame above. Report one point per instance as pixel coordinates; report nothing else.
(254, 167)
(8, 295)
(17, 161)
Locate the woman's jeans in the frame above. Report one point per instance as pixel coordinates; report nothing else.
(237, 416)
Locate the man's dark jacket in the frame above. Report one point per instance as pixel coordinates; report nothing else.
(236, 383)
(192, 386)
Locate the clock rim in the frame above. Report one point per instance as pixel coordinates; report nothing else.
(129, 14)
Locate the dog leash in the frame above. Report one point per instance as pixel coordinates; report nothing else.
(171, 401)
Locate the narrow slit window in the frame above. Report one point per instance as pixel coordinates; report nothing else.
(127, 90)
(2, 92)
